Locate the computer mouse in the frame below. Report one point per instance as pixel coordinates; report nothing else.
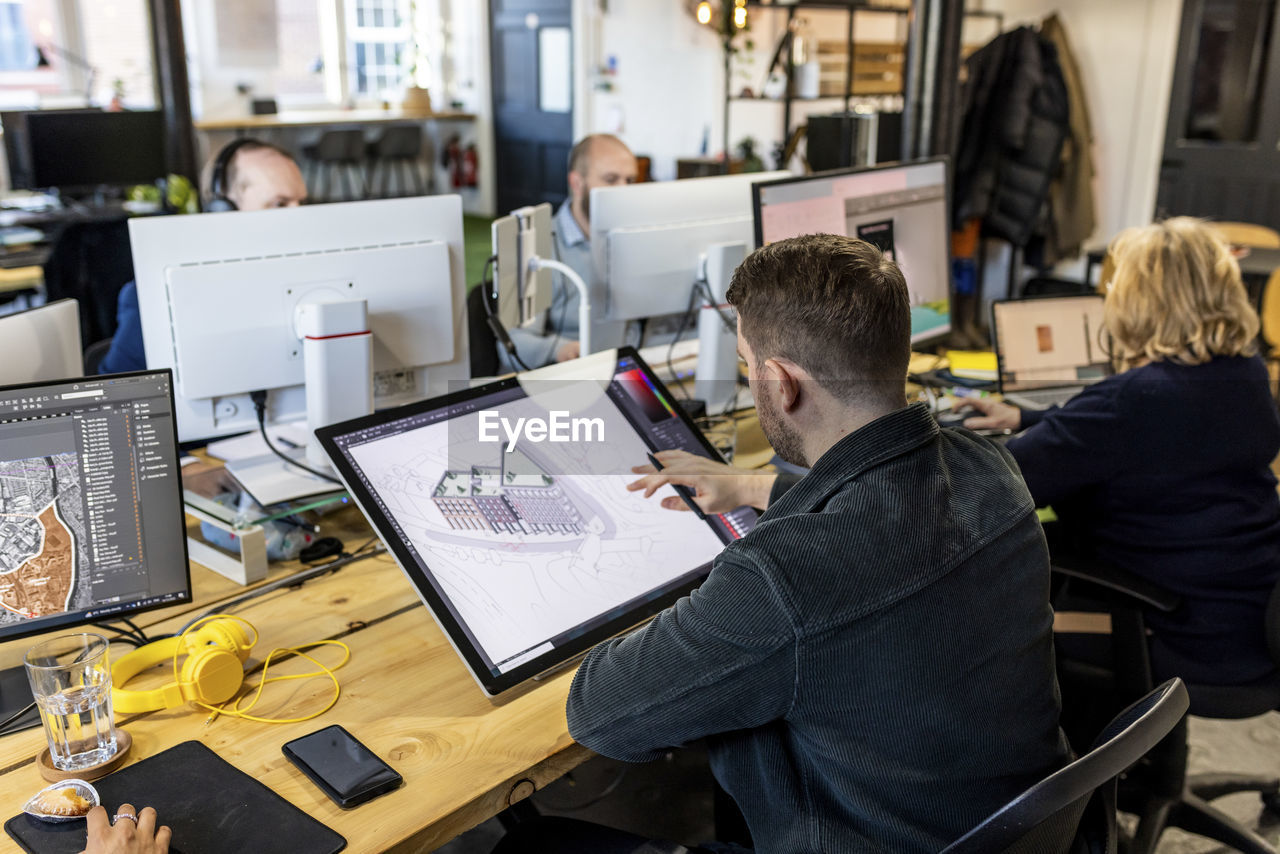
(951, 418)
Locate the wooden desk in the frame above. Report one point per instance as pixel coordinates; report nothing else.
(318, 118)
(405, 694)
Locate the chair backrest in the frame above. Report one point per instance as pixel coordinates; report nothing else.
(1248, 234)
(483, 344)
(1270, 314)
(399, 141)
(1043, 286)
(339, 145)
(94, 354)
(1045, 819)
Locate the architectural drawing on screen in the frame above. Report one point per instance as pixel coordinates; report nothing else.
(516, 496)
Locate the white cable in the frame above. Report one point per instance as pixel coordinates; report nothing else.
(584, 298)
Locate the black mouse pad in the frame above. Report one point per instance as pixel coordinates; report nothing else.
(211, 806)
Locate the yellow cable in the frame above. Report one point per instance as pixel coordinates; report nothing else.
(235, 710)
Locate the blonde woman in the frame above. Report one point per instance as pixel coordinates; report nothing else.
(1164, 468)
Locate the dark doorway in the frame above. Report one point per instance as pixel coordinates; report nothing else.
(1221, 155)
(531, 44)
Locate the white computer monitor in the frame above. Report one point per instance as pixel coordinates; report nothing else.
(217, 295)
(902, 208)
(41, 344)
(647, 240)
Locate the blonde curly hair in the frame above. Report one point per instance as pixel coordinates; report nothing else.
(1176, 295)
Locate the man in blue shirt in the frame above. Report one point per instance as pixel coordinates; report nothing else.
(258, 176)
(599, 160)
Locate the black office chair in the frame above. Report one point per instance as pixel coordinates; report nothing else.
(483, 343)
(1159, 791)
(94, 354)
(1072, 811)
(1045, 286)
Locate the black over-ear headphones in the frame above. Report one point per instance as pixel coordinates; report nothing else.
(218, 200)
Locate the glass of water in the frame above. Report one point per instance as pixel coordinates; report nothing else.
(71, 681)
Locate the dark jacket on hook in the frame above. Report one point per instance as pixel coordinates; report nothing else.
(1015, 119)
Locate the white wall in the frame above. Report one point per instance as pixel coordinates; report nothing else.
(669, 84)
(1126, 51)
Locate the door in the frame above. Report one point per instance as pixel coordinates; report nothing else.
(1222, 144)
(531, 44)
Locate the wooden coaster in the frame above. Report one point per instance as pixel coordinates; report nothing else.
(124, 741)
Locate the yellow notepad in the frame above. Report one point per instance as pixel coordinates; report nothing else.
(973, 364)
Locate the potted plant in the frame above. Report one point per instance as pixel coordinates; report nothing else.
(416, 97)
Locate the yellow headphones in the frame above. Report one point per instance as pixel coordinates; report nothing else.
(216, 648)
(211, 674)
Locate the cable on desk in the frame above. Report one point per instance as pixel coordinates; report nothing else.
(297, 578)
(260, 404)
(685, 323)
(13, 718)
(495, 325)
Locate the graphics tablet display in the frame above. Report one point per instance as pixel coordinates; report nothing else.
(506, 507)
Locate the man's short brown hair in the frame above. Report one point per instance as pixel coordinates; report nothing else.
(835, 306)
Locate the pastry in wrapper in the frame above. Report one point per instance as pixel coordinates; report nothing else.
(65, 801)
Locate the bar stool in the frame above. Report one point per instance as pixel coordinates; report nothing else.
(398, 146)
(341, 150)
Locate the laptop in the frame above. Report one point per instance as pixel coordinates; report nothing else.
(527, 548)
(1048, 349)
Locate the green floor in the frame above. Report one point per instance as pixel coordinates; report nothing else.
(476, 242)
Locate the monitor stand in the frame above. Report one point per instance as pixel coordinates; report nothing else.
(15, 695)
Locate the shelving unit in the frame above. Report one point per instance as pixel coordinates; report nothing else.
(850, 89)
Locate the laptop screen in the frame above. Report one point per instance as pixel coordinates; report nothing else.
(527, 547)
(1050, 342)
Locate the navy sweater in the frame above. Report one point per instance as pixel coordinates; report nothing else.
(1164, 470)
(872, 665)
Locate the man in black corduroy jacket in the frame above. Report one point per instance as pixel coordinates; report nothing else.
(872, 665)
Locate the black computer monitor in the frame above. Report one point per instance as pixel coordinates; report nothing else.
(903, 208)
(17, 147)
(91, 517)
(85, 150)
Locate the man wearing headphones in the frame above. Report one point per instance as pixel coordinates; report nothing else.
(247, 175)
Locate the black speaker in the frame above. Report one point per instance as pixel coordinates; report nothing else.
(844, 140)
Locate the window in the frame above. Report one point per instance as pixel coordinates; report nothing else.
(17, 53)
(1231, 57)
(300, 72)
(378, 35)
(116, 38)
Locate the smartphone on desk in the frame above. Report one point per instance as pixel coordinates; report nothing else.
(344, 769)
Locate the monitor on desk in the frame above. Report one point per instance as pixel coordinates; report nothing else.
(81, 151)
(41, 343)
(530, 551)
(217, 295)
(17, 145)
(648, 240)
(901, 208)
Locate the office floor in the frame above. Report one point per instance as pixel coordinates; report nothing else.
(671, 798)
